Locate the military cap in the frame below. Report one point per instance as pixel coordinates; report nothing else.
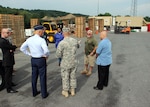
(38, 27)
(65, 29)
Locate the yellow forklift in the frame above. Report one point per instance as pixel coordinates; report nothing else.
(51, 30)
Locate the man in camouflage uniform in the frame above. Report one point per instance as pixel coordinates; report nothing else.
(67, 51)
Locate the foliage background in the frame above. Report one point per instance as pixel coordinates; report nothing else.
(28, 14)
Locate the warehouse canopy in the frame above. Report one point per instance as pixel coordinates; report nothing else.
(67, 17)
(46, 18)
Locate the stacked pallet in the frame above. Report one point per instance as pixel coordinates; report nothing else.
(34, 22)
(18, 30)
(16, 23)
(6, 21)
(100, 25)
(92, 25)
(80, 27)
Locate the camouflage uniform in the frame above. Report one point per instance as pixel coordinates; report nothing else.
(67, 51)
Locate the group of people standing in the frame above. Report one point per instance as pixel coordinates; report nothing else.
(100, 54)
(66, 49)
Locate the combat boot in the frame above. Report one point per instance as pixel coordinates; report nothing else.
(65, 93)
(89, 73)
(72, 91)
(84, 71)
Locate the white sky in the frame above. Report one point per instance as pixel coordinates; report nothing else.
(88, 7)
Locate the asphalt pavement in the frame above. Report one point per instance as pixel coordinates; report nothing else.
(129, 80)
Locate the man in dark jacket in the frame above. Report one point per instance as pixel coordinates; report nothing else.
(45, 35)
(2, 72)
(7, 62)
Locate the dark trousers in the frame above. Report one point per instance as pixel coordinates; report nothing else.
(39, 68)
(8, 77)
(103, 76)
(2, 73)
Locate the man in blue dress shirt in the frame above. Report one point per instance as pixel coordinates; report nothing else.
(104, 60)
(39, 52)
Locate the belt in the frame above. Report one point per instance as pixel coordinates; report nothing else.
(37, 57)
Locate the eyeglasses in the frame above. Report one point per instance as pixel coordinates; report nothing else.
(7, 32)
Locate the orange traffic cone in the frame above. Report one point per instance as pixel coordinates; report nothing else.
(96, 32)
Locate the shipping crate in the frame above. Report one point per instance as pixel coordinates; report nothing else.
(6, 21)
(80, 20)
(80, 31)
(16, 23)
(80, 27)
(34, 22)
(91, 24)
(100, 25)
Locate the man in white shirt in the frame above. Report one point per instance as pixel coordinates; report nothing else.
(39, 52)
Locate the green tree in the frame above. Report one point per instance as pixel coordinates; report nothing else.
(147, 18)
(105, 14)
(28, 14)
(127, 15)
(27, 17)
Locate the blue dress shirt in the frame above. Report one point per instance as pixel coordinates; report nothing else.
(104, 53)
(37, 47)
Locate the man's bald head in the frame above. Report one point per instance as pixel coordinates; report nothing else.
(103, 35)
(4, 33)
(4, 30)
